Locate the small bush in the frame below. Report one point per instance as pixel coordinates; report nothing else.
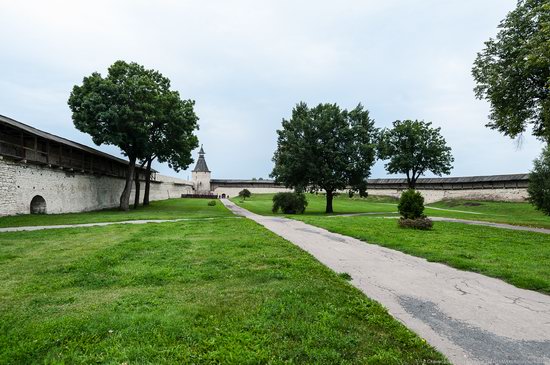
(289, 203)
(539, 182)
(245, 193)
(423, 223)
(212, 203)
(411, 205)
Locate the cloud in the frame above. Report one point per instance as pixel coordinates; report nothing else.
(246, 63)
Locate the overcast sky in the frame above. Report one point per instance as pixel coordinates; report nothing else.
(247, 63)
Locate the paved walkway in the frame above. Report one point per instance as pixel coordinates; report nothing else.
(138, 221)
(471, 318)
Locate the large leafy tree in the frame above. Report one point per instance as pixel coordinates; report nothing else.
(325, 148)
(539, 182)
(124, 109)
(171, 137)
(513, 71)
(413, 148)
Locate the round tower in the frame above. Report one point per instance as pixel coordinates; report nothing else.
(201, 175)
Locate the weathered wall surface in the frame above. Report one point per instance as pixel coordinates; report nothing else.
(66, 191)
(431, 196)
(234, 191)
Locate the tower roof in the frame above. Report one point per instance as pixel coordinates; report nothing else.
(201, 163)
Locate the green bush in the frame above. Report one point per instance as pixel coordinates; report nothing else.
(411, 204)
(539, 182)
(245, 193)
(212, 203)
(289, 203)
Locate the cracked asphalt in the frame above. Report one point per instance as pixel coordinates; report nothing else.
(470, 318)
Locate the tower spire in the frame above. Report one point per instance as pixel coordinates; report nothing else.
(201, 165)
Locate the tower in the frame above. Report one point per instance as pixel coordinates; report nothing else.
(201, 175)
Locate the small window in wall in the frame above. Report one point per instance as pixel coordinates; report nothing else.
(38, 205)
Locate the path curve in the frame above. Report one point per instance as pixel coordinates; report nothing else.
(470, 318)
(456, 220)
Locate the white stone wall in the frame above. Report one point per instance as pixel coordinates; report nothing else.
(66, 191)
(431, 196)
(234, 191)
(201, 181)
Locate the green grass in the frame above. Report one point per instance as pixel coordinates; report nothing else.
(520, 258)
(163, 209)
(206, 291)
(500, 212)
(262, 203)
(523, 214)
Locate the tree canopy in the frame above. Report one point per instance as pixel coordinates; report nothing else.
(513, 71)
(539, 182)
(413, 148)
(134, 109)
(325, 148)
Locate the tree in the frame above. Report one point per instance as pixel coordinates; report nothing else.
(245, 193)
(513, 71)
(118, 110)
(413, 148)
(171, 137)
(539, 182)
(325, 148)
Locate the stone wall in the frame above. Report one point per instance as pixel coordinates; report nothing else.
(66, 191)
(234, 190)
(431, 196)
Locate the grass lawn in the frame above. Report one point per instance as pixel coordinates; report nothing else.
(162, 209)
(501, 212)
(523, 214)
(520, 258)
(223, 291)
(262, 203)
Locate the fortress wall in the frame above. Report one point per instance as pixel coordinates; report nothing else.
(66, 191)
(433, 195)
(234, 190)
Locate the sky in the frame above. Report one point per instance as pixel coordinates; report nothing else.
(247, 64)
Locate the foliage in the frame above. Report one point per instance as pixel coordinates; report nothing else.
(411, 204)
(134, 109)
(189, 292)
(413, 148)
(212, 203)
(289, 203)
(245, 193)
(513, 71)
(539, 182)
(325, 148)
(422, 223)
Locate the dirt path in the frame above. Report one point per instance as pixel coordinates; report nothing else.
(471, 318)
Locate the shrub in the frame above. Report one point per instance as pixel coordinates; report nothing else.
(411, 204)
(539, 182)
(423, 223)
(245, 193)
(411, 208)
(289, 203)
(212, 203)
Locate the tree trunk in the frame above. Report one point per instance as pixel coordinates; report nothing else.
(136, 198)
(147, 183)
(330, 195)
(125, 197)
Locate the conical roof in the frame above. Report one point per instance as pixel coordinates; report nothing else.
(201, 163)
